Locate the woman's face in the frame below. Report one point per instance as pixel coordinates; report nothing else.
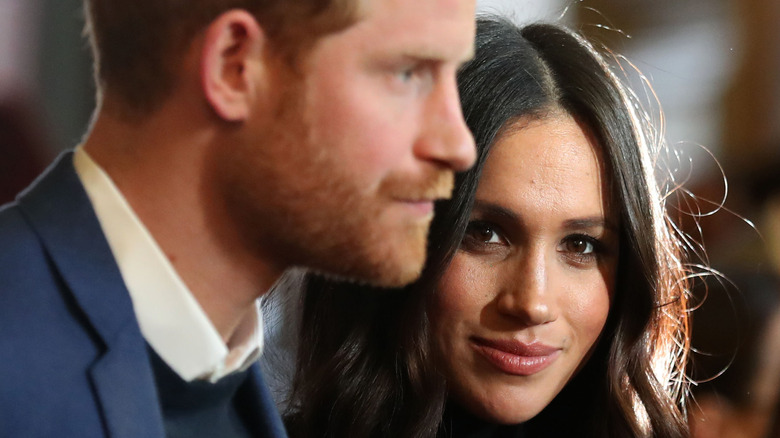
(527, 294)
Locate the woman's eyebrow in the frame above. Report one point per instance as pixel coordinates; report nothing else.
(590, 222)
(492, 209)
(499, 211)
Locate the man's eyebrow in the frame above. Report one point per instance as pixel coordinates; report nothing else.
(432, 54)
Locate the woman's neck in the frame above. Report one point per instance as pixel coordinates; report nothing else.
(460, 423)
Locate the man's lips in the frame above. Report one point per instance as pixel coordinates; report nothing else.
(421, 198)
(515, 357)
(423, 207)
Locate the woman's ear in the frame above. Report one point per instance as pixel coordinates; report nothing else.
(232, 64)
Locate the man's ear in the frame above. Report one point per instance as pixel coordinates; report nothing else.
(231, 64)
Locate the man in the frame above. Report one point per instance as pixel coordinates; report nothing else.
(232, 140)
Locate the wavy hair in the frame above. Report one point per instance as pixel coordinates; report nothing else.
(366, 369)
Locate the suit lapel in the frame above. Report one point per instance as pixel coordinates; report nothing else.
(60, 211)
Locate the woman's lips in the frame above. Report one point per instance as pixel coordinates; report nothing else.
(516, 358)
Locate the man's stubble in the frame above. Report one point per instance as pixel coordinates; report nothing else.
(301, 204)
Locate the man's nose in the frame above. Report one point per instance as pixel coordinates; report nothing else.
(446, 139)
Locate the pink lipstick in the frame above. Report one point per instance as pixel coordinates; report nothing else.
(514, 357)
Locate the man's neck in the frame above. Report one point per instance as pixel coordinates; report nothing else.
(159, 167)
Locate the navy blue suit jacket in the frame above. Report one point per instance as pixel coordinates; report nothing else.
(73, 362)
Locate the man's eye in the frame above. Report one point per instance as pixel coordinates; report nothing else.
(407, 74)
(417, 77)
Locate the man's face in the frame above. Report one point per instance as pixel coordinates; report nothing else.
(343, 177)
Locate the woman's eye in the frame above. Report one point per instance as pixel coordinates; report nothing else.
(580, 246)
(483, 233)
(580, 249)
(483, 237)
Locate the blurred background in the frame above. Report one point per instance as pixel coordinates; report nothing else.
(712, 65)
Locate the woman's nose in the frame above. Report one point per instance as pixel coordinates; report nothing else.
(526, 294)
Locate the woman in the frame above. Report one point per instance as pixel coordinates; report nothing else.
(553, 302)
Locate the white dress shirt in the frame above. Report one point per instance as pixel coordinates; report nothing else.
(170, 318)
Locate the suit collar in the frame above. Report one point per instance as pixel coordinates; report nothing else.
(59, 210)
(171, 319)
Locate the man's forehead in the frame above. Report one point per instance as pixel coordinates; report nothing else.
(430, 28)
(430, 10)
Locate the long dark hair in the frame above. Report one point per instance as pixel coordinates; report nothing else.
(365, 368)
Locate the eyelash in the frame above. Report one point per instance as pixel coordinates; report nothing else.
(474, 242)
(418, 75)
(596, 251)
(406, 74)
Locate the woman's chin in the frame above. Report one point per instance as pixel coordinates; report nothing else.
(506, 413)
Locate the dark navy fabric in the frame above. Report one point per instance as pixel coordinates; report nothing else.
(72, 357)
(199, 407)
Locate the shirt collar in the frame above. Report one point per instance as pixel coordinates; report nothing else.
(170, 318)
